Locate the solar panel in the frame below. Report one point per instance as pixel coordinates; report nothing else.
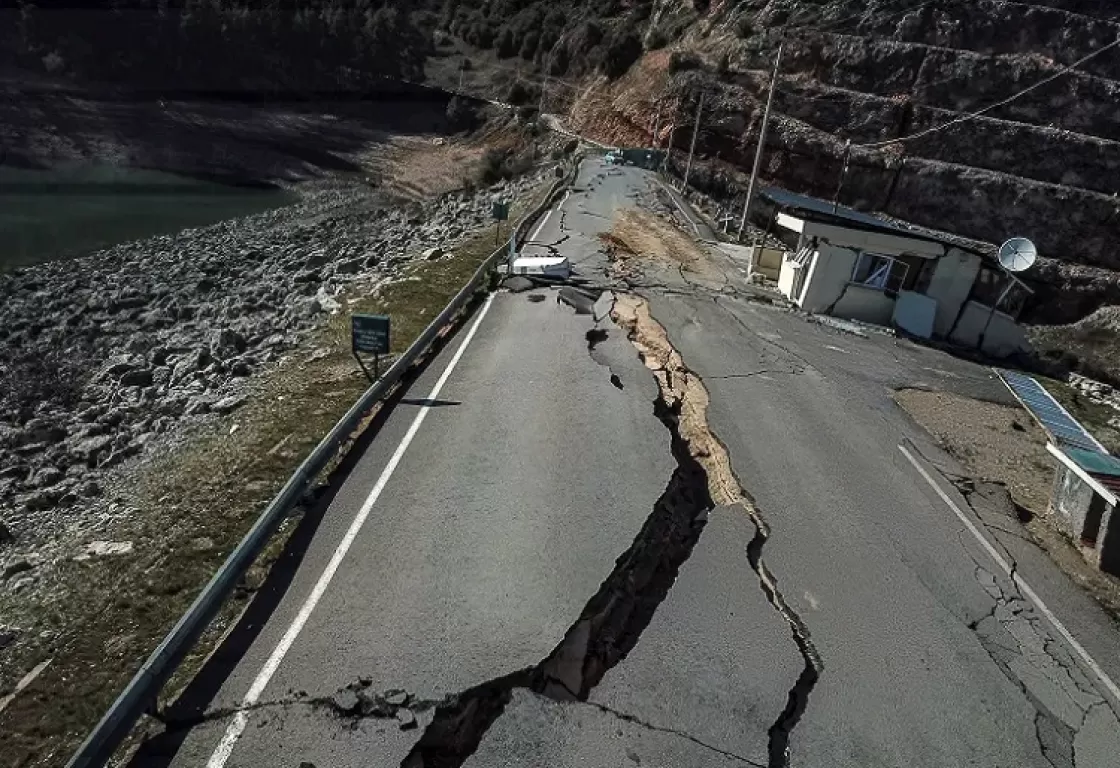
(1062, 428)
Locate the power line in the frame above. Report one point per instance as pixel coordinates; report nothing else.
(989, 108)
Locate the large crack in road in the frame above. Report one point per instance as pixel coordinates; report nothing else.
(684, 389)
(610, 623)
(614, 619)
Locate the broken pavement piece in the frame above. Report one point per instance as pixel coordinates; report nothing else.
(517, 284)
(406, 719)
(396, 697)
(346, 702)
(576, 299)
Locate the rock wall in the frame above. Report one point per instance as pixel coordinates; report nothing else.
(1044, 166)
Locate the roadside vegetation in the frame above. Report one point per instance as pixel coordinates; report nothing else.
(189, 506)
(569, 37)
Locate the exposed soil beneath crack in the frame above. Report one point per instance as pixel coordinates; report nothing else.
(680, 386)
(614, 618)
(609, 625)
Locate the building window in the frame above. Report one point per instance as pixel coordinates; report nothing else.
(874, 270)
(998, 290)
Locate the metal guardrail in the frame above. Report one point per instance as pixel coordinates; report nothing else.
(140, 695)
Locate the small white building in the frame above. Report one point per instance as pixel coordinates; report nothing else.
(853, 265)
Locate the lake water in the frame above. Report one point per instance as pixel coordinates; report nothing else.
(63, 213)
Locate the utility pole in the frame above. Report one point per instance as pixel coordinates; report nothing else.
(761, 145)
(692, 148)
(843, 175)
(462, 71)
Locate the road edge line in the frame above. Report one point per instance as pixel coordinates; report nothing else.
(1026, 589)
(224, 750)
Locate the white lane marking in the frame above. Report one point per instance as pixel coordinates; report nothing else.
(241, 719)
(547, 216)
(1025, 588)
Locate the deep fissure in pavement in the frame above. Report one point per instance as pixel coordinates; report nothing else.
(613, 620)
(609, 625)
(679, 384)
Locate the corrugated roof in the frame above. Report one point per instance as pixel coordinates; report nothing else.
(1096, 463)
(822, 211)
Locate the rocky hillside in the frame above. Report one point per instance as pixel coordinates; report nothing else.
(103, 355)
(1044, 166)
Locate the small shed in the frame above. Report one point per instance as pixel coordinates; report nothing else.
(1084, 499)
(931, 285)
(1087, 480)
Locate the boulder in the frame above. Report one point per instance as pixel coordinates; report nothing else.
(89, 448)
(228, 404)
(349, 267)
(227, 342)
(316, 260)
(326, 302)
(433, 253)
(115, 366)
(42, 499)
(46, 477)
(138, 377)
(13, 471)
(41, 430)
(198, 405)
(17, 565)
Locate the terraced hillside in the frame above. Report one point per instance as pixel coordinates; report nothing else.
(1043, 165)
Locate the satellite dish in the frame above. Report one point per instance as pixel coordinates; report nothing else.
(1017, 254)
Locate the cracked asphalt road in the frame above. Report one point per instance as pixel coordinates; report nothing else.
(549, 581)
(931, 656)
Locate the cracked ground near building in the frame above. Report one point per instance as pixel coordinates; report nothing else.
(669, 526)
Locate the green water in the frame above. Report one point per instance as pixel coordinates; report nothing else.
(63, 213)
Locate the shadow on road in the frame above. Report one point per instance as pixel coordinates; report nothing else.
(192, 705)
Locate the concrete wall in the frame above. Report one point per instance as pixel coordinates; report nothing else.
(1085, 515)
(915, 314)
(786, 277)
(830, 273)
(950, 285)
(868, 305)
(767, 261)
(1108, 542)
(1070, 500)
(1001, 336)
